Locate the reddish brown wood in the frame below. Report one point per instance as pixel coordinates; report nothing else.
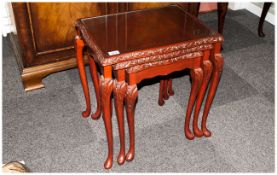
(218, 62)
(157, 52)
(170, 89)
(106, 91)
(79, 45)
(207, 70)
(148, 46)
(95, 80)
(196, 76)
(131, 97)
(120, 89)
(161, 92)
(153, 69)
(165, 92)
(167, 89)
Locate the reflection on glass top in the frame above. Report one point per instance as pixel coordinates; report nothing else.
(137, 30)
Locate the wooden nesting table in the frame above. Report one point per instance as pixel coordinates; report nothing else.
(132, 46)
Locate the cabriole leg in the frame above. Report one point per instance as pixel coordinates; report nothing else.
(196, 76)
(207, 68)
(161, 92)
(95, 80)
(106, 90)
(79, 45)
(119, 95)
(131, 96)
(218, 66)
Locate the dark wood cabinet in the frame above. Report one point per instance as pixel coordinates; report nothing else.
(44, 43)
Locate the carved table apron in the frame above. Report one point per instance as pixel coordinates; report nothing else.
(134, 55)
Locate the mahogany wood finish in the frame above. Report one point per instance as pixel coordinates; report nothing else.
(159, 51)
(95, 80)
(170, 90)
(81, 67)
(262, 18)
(218, 61)
(107, 85)
(196, 76)
(161, 93)
(207, 68)
(131, 97)
(120, 89)
(222, 9)
(165, 67)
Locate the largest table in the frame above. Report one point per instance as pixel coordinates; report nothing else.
(120, 41)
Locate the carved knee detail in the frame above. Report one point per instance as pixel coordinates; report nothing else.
(119, 90)
(107, 85)
(132, 93)
(197, 74)
(218, 62)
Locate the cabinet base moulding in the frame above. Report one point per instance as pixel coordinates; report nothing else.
(32, 76)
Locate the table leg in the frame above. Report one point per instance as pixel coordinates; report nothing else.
(106, 90)
(218, 66)
(165, 92)
(131, 96)
(79, 45)
(170, 90)
(161, 92)
(120, 89)
(95, 80)
(196, 76)
(207, 69)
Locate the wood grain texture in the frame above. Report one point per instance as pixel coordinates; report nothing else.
(56, 23)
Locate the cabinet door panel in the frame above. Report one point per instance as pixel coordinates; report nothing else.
(53, 23)
(138, 6)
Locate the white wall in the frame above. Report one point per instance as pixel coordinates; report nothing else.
(7, 18)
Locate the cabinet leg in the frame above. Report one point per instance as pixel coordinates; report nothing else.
(218, 66)
(32, 83)
(207, 68)
(79, 45)
(196, 76)
(119, 95)
(106, 90)
(131, 96)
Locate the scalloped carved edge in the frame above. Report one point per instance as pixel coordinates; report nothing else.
(105, 61)
(163, 62)
(135, 62)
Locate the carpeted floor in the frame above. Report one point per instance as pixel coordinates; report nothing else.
(45, 128)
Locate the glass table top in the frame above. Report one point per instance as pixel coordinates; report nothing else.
(143, 29)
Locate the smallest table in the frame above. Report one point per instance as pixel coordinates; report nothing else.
(129, 41)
